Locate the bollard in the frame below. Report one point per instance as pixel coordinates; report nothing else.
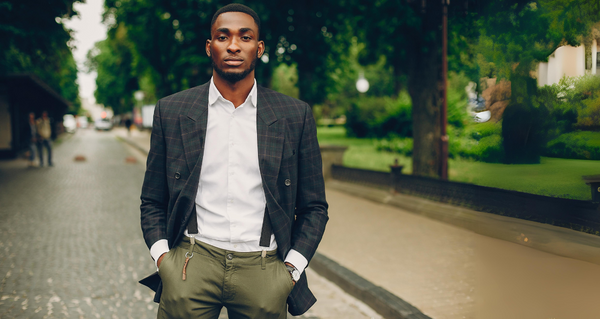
(396, 175)
(331, 154)
(594, 182)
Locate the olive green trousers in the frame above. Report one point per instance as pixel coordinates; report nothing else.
(247, 284)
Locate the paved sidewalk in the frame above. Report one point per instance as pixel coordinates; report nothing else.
(452, 272)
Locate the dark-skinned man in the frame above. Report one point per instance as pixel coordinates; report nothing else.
(233, 201)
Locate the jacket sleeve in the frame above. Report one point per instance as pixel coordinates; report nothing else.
(311, 205)
(155, 192)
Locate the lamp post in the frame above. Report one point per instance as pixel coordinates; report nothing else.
(362, 85)
(444, 116)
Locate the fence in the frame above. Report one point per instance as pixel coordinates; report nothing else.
(575, 214)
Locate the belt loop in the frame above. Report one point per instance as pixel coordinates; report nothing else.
(263, 259)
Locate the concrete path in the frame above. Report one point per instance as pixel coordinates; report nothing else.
(452, 272)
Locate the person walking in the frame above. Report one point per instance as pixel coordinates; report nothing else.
(233, 201)
(44, 132)
(32, 139)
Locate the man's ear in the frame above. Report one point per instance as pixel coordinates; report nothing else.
(261, 49)
(207, 47)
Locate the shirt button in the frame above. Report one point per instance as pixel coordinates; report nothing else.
(177, 175)
(229, 256)
(288, 182)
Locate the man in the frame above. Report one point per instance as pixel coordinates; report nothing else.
(233, 188)
(32, 139)
(44, 131)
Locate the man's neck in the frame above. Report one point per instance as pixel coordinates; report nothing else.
(237, 92)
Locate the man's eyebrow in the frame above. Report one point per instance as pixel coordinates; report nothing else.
(224, 30)
(243, 30)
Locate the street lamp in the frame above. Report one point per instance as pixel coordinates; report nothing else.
(362, 85)
(139, 95)
(444, 115)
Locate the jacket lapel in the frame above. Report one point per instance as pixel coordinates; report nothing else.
(270, 131)
(193, 129)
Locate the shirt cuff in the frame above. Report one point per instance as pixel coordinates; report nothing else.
(295, 258)
(158, 248)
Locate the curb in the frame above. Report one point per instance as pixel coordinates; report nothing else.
(382, 301)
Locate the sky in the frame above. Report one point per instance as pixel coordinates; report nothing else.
(88, 29)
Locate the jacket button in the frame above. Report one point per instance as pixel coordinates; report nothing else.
(177, 175)
(288, 182)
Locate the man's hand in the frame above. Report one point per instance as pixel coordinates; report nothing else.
(293, 281)
(160, 260)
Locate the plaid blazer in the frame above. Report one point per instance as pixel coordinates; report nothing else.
(289, 161)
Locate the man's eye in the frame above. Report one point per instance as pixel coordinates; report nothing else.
(246, 38)
(222, 38)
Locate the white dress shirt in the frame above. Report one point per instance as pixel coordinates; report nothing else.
(230, 202)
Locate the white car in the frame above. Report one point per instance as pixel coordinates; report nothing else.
(103, 125)
(69, 123)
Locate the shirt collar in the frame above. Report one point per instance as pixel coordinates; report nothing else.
(214, 94)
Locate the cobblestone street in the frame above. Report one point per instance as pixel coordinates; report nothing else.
(71, 244)
(70, 237)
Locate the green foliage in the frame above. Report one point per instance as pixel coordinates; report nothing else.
(33, 40)
(576, 145)
(481, 130)
(480, 142)
(403, 146)
(574, 103)
(115, 61)
(285, 78)
(380, 117)
(457, 100)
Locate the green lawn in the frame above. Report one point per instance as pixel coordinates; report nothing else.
(553, 177)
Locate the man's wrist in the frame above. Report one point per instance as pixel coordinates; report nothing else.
(294, 273)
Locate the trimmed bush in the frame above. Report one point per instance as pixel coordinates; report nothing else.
(576, 145)
(380, 117)
(402, 146)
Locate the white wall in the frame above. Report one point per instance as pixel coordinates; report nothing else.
(594, 56)
(5, 124)
(565, 61)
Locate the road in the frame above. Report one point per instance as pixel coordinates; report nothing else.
(71, 244)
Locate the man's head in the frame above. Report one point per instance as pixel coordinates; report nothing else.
(45, 114)
(31, 116)
(234, 46)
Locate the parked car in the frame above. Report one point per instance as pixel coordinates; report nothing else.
(103, 124)
(69, 123)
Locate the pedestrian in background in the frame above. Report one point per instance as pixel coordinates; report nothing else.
(233, 201)
(44, 132)
(128, 125)
(32, 139)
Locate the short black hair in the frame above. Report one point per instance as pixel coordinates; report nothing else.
(237, 7)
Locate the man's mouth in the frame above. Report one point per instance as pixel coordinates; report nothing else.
(233, 61)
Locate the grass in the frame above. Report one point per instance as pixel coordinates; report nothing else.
(553, 177)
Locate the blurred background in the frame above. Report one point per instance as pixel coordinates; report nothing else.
(487, 105)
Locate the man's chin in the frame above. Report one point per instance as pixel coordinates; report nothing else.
(233, 76)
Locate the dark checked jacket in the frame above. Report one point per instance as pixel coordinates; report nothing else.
(290, 166)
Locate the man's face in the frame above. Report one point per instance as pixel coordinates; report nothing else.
(234, 47)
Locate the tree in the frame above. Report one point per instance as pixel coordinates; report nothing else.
(35, 41)
(116, 62)
(409, 34)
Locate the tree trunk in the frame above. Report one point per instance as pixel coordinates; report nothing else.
(424, 86)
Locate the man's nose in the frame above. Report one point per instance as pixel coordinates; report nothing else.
(233, 46)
